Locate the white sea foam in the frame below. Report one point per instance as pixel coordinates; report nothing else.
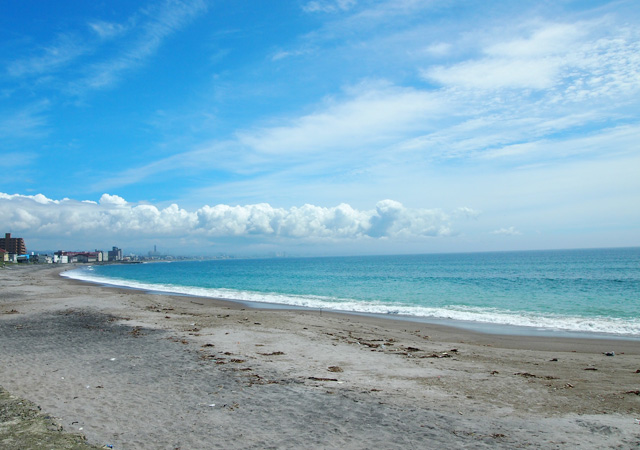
(611, 326)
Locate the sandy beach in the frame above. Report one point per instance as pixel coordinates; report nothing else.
(134, 370)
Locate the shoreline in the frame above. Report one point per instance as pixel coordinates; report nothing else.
(138, 370)
(457, 325)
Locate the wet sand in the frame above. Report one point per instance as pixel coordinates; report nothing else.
(143, 371)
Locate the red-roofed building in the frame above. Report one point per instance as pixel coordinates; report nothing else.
(80, 257)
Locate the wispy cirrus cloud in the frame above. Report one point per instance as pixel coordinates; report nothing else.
(88, 64)
(328, 6)
(339, 132)
(157, 24)
(572, 62)
(109, 30)
(66, 48)
(28, 121)
(370, 113)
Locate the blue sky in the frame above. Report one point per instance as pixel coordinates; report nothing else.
(320, 127)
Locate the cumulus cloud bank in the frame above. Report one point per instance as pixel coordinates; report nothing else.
(113, 216)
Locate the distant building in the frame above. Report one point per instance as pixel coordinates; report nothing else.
(60, 258)
(13, 245)
(115, 254)
(4, 255)
(41, 259)
(77, 257)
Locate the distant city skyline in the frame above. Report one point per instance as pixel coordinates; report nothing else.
(326, 127)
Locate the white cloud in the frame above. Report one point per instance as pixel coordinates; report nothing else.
(107, 199)
(108, 30)
(371, 114)
(61, 52)
(499, 73)
(283, 54)
(29, 121)
(114, 217)
(329, 6)
(353, 129)
(511, 231)
(579, 60)
(439, 49)
(164, 21)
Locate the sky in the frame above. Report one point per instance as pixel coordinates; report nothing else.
(321, 127)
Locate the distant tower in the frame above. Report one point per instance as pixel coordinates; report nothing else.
(155, 250)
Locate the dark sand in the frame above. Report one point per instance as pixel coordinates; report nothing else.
(142, 371)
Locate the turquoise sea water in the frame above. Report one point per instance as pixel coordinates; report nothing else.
(579, 291)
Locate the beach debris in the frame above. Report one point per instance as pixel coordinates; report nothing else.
(637, 421)
(590, 368)
(232, 406)
(272, 354)
(638, 371)
(136, 331)
(610, 353)
(568, 386)
(322, 379)
(335, 369)
(494, 372)
(633, 392)
(237, 361)
(530, 375)
(554, 359)
(437, 355)
(369, 344)
(208, 345)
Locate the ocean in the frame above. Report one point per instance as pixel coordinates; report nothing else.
(594, 292)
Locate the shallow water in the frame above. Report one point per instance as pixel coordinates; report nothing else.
(592, 291)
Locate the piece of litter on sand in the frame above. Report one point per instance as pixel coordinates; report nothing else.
(637, 421)
(212, 405)
(610, 353)
(112, 359)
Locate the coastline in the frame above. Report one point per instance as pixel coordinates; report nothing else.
(134, 369)
(478, 329)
